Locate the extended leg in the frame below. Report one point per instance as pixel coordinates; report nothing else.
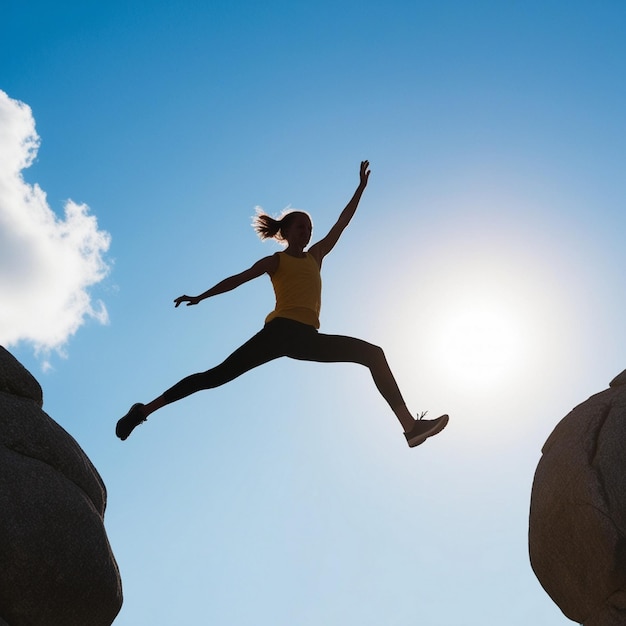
(260, 349)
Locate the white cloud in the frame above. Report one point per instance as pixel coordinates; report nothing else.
(47, 264)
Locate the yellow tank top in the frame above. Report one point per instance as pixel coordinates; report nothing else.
(298, 287)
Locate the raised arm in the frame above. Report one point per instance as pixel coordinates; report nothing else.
(265, 265)
(320, 249)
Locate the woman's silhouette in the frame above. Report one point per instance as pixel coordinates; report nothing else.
(291, 329)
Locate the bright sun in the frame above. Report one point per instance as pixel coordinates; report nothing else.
(480, 344)
(477, 324)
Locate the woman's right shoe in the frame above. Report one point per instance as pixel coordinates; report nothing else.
(423, 429)
(133, 418)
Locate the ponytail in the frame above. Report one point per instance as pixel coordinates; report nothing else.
(267, 227)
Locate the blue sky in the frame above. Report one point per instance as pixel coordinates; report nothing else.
(486, 258)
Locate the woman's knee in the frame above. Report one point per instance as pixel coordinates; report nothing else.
(375, 355)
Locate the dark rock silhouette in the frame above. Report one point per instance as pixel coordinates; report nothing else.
(56, 564)
(577, 531)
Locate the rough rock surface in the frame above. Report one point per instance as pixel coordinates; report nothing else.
(577, 531)
(56, 564)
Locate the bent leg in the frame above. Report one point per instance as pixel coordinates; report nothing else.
(341, 349)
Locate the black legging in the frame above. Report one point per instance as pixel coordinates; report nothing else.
(285, 337)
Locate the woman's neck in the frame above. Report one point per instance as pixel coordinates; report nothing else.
(297, 252)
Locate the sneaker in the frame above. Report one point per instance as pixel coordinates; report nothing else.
(133, 418)
(423, 429)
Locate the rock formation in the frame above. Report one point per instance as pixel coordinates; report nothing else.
(56, 564)
(577, 531)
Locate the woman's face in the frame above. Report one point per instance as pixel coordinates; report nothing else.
(299, 232)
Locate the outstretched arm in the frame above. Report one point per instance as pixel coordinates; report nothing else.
(325, 245)
(265, 265)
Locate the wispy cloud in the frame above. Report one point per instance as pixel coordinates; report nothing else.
(47, 263)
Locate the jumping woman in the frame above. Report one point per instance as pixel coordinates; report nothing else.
(291, 328)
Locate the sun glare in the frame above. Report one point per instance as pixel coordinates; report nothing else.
(481, 320)
(480, 344)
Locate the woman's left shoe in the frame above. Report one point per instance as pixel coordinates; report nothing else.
(133, 418)
(423, 429)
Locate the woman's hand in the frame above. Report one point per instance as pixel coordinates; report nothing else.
(365, 173)
(190, 300)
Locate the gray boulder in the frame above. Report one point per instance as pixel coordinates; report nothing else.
(56, 564)
(577, 528)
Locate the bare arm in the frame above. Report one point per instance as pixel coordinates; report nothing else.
(265, 265)
(325, 245)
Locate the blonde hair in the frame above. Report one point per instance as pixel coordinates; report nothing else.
(267, 227)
